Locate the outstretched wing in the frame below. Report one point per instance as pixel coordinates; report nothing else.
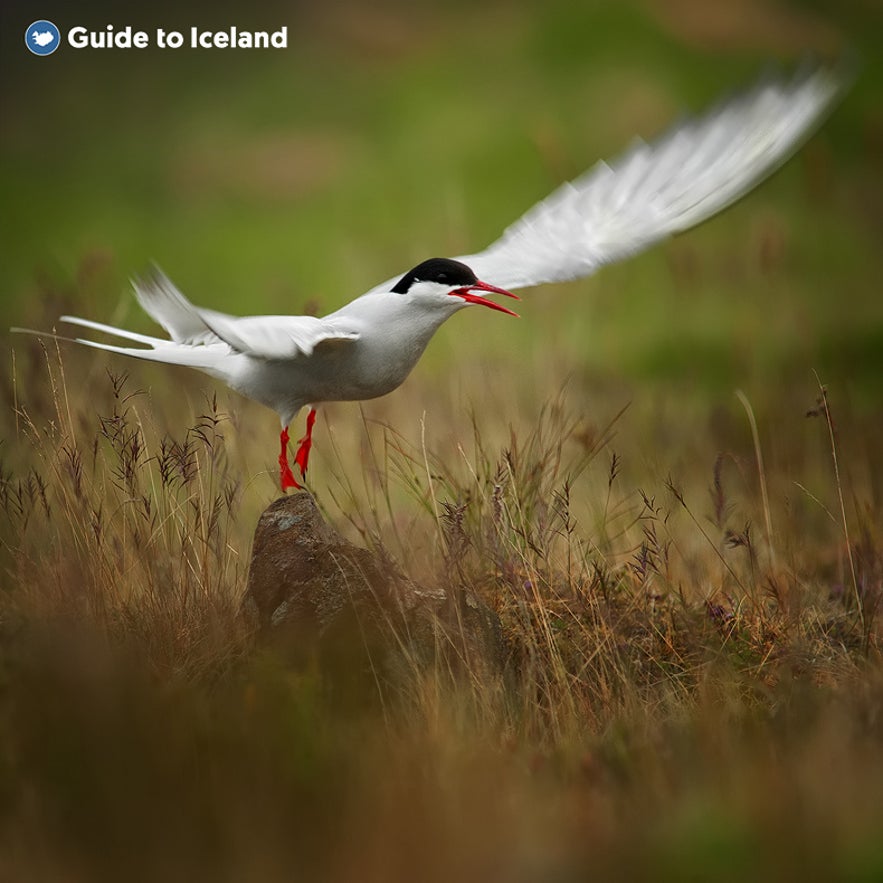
(265, 337)
(695, 170)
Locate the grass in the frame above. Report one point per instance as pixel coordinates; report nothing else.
(693, 678)
(688, 576)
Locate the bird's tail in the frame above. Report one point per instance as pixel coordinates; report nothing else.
(205, 357)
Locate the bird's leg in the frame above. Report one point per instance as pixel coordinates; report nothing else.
(303, 451)
(286, 479)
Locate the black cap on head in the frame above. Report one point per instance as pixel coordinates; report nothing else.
(441, 270)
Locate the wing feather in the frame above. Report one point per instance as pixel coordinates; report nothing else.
(264, 337)
(163, 302)
(696, 169)
(275, 337)
(654, 190)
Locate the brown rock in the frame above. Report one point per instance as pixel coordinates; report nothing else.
(321, 597)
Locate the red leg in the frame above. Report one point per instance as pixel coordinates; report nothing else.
(286, 479)
(303, 452)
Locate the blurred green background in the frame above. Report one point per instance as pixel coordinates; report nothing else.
(292, 180)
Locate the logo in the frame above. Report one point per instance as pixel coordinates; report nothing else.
(42, 38)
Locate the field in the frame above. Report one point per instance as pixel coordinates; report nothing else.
(667, 479)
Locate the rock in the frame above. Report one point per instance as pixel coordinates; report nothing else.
(318, 596)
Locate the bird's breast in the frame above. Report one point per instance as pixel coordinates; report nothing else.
(369, 367)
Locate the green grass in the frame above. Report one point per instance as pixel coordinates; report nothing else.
(691, 614)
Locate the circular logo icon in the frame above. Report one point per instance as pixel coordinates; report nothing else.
(42, 38)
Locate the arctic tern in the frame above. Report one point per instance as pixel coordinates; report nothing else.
(368, 347)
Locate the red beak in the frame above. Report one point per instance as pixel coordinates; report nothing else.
(467, 294)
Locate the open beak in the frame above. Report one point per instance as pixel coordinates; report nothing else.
(470, 297)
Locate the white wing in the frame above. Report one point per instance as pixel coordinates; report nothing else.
(205, 338)
(695, 170)
(266, 337)
(164, 303)
(275, 337)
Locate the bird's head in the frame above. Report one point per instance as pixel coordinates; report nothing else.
(441, 282)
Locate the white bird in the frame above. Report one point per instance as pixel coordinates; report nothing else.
(368, 347)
